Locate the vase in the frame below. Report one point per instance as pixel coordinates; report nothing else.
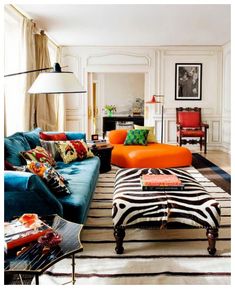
(110, 113)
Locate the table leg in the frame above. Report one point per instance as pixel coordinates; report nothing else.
(37, 279)
(73, 269)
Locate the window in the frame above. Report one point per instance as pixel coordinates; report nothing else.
(13, 86)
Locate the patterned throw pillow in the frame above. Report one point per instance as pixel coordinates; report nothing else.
(38, 154)
(52, 136)
(151, 136)
(73, 150)
(49, 145)
(137, 137)
(50, 176)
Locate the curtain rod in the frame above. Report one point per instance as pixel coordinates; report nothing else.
(22, 13)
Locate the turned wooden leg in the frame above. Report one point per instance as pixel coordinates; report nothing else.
(205, 142)
(212, 234)
(201, 143)
(119, 234)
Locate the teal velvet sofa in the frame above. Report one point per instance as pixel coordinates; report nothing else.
(25, 192)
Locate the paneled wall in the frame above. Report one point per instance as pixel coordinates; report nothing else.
(158, 66)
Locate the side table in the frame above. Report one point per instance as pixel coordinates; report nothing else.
(33, 261)
(104, 153)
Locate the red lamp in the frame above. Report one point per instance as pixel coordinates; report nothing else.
(154, 101)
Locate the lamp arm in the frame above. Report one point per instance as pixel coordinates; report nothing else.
(56, 68)
(28, 71)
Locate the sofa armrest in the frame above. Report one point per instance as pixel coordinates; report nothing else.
(26, 193)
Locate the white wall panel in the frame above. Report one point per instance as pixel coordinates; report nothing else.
(158, 64)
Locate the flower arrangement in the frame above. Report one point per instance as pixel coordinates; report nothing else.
(109, 109)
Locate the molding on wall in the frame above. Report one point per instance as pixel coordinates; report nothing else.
(118, 58)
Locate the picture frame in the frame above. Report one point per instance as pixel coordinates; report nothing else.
(94, 137)
(188, 81)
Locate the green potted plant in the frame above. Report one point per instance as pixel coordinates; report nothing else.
(110, 109)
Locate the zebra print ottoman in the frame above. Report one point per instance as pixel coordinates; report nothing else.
(133, 207)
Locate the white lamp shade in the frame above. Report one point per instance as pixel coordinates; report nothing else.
(56, 82)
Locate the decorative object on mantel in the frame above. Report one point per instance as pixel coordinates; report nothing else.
(138, 106)
(110, 109)
(188, 81)
(158, 99)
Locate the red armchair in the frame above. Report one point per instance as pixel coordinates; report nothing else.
(189, 125)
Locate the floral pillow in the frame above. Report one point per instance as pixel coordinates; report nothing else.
(137, 137)
(73, 150)
(50, 176)
(39, 154)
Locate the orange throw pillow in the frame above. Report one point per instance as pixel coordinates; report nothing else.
(117, 136)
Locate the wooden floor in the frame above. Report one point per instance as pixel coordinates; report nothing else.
(220, 158)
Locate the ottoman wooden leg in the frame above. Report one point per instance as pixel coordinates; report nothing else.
(119, 234)
(212, 234)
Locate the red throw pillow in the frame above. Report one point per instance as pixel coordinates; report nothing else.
(54, 136)
(8, 166)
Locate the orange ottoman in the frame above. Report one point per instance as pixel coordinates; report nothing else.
(153, 155)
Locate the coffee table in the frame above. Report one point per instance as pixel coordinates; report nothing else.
(133, 207)
(34, 262)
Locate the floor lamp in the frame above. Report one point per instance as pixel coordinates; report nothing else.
(53, 82)
(155, 100)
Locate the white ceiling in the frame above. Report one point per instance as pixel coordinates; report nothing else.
(137, 25)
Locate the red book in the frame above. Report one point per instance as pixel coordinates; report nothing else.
(17, 233)
(160, 182)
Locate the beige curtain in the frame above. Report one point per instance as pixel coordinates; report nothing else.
(45, 111)
(28, 62)
(46, 104)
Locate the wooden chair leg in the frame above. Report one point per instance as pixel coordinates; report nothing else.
(201, 143)
(205, 142)
(212, 235)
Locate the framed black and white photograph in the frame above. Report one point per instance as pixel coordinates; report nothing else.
(188, 81)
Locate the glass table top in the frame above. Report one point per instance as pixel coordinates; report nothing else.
(34, 259)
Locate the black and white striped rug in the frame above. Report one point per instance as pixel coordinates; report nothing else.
(173, 256)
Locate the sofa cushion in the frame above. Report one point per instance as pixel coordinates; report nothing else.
(151, 137)
(71, 135)
(136, 137)
(39, 154)
(13, 145)
(33, 137)
(52, 136)
(82, 177)
(151, 156)
(117, 136)
(50, 176)
(73, 150)
(50, 146)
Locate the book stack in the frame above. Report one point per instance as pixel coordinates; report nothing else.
(18, 233)
(151, 182)
(97, 143)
